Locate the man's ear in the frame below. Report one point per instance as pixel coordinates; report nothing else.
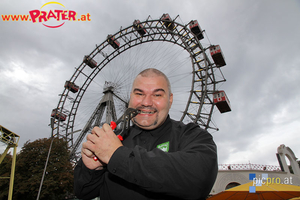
(171, 100)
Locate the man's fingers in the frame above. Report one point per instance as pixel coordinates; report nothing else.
(99, 131)
(90, 138)
(88, 147)
(96, 130)
(87, 152)
(106, 127)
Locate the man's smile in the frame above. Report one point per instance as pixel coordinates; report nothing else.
(146, 111)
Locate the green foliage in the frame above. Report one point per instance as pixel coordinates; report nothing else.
(5, 169)
(30, 165)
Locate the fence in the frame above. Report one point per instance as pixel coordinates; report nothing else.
(249, 166)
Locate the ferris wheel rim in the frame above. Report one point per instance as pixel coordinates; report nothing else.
(138, 41)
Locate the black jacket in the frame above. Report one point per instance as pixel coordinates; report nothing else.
(186, 168)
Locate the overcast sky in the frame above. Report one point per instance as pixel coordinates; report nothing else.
(260, 41)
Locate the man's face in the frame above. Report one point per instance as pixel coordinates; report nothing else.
(150, 96)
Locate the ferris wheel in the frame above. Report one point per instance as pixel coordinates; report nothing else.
(98, 91)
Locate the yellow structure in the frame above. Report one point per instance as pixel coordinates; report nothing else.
(11, 139)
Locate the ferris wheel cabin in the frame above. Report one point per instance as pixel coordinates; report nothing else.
(217, 55)
(221, 101)
(196, 30)
(113, 42)
(71, 86)
(58, 115)
(169, 24)
(139, 27)
(90, 62)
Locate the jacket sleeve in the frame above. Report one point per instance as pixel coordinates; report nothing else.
(87, 182)
(188, 173)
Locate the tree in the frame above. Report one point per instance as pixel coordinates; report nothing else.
(31, 160)
(5, 169)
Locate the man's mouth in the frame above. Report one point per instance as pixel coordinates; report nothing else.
(146, 111)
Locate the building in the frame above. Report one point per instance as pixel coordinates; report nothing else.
(231, 175)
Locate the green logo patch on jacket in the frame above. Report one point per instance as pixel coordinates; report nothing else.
(164, 146)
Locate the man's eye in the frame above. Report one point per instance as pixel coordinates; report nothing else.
(157, 95)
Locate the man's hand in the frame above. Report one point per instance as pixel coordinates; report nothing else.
(88, 157)
(102, 142)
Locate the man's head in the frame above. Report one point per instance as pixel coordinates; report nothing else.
(151, 96)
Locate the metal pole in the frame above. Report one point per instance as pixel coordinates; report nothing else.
(12, 174)
(41, 184)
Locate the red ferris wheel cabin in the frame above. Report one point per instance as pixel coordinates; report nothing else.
(58, 115)
(169, 24)
(196, 30)
(71, 86)
(113, 42)
(139, 27)
(90, 62)
(217, 55)
(221, 101)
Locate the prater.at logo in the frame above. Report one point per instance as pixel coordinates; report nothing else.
(59, 15)
(52, 15)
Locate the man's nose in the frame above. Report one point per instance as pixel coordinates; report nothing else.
(147, 100)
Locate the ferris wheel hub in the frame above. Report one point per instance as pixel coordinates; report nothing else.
(108, 86)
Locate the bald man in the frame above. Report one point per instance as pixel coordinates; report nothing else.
(159, 158)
